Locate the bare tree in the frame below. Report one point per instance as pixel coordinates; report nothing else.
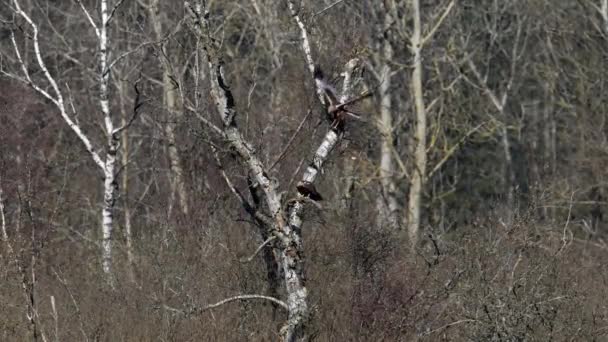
(106, 160)
(499, 101)
(381, 60)
(172, 103)
(417, 41)
(284, 227)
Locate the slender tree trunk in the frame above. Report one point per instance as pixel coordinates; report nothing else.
(2, 214)
(125, 186)
(109, 184)
(604, 14)
(170, 101)
(108, 166)
(419, 173)
(387, 201)
(509, 186)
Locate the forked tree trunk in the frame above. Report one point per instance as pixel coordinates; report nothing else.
(107, 166)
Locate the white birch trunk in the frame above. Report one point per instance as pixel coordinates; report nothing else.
(109, 184)
(290, 240)
(108, 165)
(419, 173)
(387, 201)
(288, 232)
(295, 288)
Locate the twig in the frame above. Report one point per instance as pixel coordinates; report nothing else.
(438, 24)
(205, 121)
(290, 141)
(244, 297)
(257, 251)
(90, 18)
(449, 325)
(137, 103)
(307, 49)
(64, 283)
(114, 10)
(453, 149)
(254, 212)
(327, 8)
(226, 301)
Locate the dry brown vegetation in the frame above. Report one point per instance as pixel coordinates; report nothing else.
(511, 244)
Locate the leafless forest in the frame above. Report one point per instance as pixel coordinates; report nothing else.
(287, 170)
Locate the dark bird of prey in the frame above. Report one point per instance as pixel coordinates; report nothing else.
(337, 110)
(308, 189)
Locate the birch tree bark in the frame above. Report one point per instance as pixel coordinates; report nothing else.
(419, 172)
(107, 163)
(286, 229)
(109, 185)
(289, 240)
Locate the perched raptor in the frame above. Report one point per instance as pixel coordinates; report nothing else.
(308, 189)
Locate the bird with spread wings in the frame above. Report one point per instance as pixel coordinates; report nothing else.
(337, 111)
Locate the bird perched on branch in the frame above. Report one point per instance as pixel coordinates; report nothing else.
(308, 189)
(337, 110)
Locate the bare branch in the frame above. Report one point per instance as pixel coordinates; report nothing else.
(257, 251)
(497, 103)
(328, 8)
(251, 210)
(438, 23)
(90, 18)
(205, 120)
(144, 44)
(58, 101)
(245, 297)
(453, 149)
(226, 301)
(137, 104)
(114, 11)
(330, 140)
(307, 49)
(282, 154)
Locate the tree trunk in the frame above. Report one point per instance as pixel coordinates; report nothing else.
(509, 186)
(125, 187)
(170, 101)
(2, 215)
(419, 173)
(109, 185)
(387, 201)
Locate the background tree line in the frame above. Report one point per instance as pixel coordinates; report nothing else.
(467, 203)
